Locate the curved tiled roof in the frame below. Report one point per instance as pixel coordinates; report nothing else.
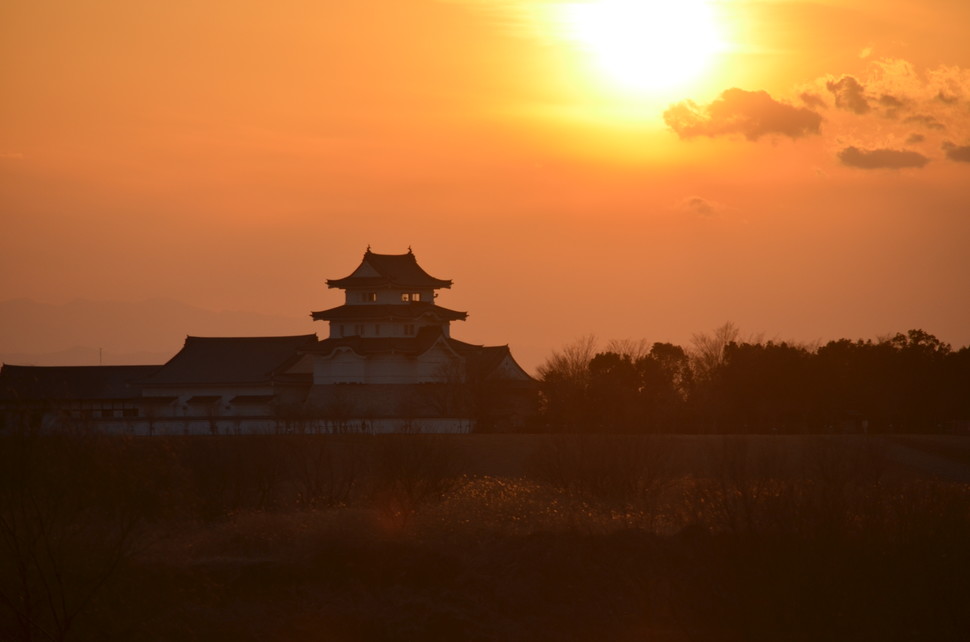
(385, 270)
(395, 311)
(482, 361)
(231, 360)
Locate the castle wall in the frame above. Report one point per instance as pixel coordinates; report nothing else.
(436, 365)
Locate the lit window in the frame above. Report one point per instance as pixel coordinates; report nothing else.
(410, 296)
(371, 296)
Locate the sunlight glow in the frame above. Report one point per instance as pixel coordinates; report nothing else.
(645, 46)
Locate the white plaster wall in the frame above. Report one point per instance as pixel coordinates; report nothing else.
(436, 365)
(387, 328)
(342, 367)
(358, 296)
(223, 407)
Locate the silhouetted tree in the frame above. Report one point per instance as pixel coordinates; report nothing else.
(666, 379)
(707, 358)
(614, 392)
(765, 387)
(564, 383)
(909, 382)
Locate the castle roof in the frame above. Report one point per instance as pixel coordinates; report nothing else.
(231, 360)
(394, 311)
(33, 383)
(482, 360)
(388, 270)
(366, 346)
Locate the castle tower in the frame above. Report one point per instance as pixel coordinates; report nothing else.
(388, 295)
(391, 364)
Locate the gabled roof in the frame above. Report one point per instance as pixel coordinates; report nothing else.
(231, 360)
(58, 383)
(395, 312)
(388, 270)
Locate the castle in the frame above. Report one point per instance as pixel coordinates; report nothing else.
(389, 364)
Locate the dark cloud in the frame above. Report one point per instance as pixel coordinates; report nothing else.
(881, 158)
(813, 100)
(698, 205)
(959, 153)
(849, 95)
(930, 122)
(892, 105)
(915, 138)
(946, 98)
(751, 113)
(890, 101)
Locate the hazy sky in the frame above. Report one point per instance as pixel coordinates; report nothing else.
(799, 168)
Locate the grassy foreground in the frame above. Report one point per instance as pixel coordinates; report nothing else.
(531, 537)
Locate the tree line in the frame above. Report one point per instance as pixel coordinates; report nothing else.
(723, 383)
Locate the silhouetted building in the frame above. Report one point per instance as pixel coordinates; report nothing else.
(388, 365)
(50, 397)
(227, 384)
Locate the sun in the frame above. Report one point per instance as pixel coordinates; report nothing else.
(645, 46)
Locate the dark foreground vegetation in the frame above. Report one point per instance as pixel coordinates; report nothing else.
(483, 537)
(722, 383)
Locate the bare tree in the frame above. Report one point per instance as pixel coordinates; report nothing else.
(565, 378)
(635, 349)
(707, 354)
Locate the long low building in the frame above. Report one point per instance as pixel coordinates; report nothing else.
(388, 365)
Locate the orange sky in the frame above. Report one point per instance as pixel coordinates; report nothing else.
(234, 155)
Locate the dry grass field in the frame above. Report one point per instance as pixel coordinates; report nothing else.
(485, 537)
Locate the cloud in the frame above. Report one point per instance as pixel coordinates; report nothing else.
(930, 122)
(915, 138)
(881, 158)
(849, 94)
(960, 153)
(812, 99)
(946, 98)
(751, 113)
(891, 104)
(890, 101)
(699, 206)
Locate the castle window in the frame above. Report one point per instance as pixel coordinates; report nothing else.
(409, 329)
(410, 296)
(377, 328)
(371, 296)
(359, 329)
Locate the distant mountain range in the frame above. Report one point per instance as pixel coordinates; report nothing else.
(85, 332)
